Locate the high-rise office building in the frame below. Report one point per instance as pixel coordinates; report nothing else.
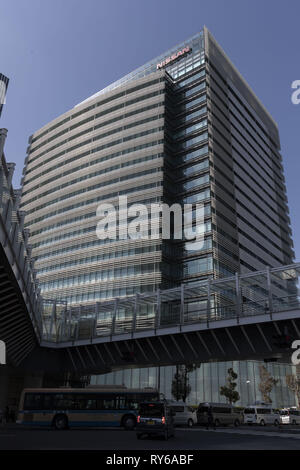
(3, 87)
(183, 128)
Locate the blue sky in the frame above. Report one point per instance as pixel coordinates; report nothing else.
(58, 52)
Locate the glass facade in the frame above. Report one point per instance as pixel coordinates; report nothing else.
(206, 381)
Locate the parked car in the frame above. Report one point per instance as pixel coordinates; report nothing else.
(290, 416)
(185, 415)
(223, 414)
(262, 415)
(284, 416)
(155, 418)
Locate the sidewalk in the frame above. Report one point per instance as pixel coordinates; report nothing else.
(259, 431)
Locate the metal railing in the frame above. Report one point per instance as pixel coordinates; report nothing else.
(258, 293)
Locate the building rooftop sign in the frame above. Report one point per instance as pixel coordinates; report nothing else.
(173, 57)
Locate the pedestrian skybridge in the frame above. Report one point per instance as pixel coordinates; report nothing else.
(233, 298)
(254, 315)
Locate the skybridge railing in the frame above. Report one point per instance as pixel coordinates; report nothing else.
(259, 293)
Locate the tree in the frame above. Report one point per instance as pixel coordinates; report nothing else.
(267, 383)
(293, 383)
(228, 390)
(180, 383)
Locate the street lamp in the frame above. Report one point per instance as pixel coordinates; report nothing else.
(248, 391)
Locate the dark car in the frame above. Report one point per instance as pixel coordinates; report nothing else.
(155, 419)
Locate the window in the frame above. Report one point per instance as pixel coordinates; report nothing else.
(195, 182)
(221, 410)
(193, 141)
(190, 129)
(194, 102)
(198, 266)
(249, 411)
(205, 194)
(191, 79)
(203, 409)
(263, 411)
(108, 404)
(33, 401)
(63, 401)
(84, 402)
(121, 402)
(195, 89)
(177, 409)
(192, 115)
(195, 168)
(195, 154)
(48, 402)
(152, 410)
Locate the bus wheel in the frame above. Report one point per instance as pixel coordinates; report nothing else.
(60, 422)
(262, 423)
(128, 422)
